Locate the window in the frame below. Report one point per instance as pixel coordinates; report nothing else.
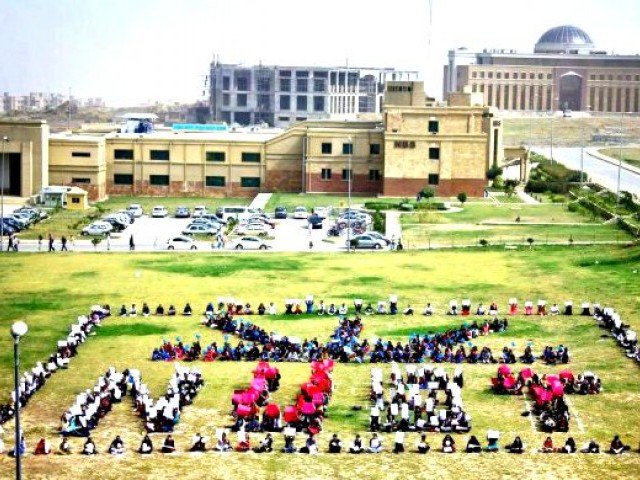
(123, 154)
(159, 180)
(263, 84)
(318, 85)
(285, 102)
(285, 84)
(347, 148)
(434, 179)
(374, 149)
(347, 174)
(226, 99)
(75, 200)
(215, 156)
(474, 75)
(226, 83)
(215, 181)
(434, 126)
(242, 84)
(159, 154)
(241, 100)
(263, 102)
(549, 76)
(285, 73)
(374, 175)
(283, 119)
(250, 182)
(404, 144)
(434, 153)
(326, 174)
(301, 119)
(326, 148)
(122, 179)
(80, 180)
(302, 74)
(320, 74)
(490, 75)
(318, 104)
(81, 154)
(301, 84)
(251, 157)
(498, 75)
(301, 103)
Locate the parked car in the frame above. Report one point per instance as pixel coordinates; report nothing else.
(355, 217)
(252, 228)
(7, 229)
(322, 212)
(300, 213)
(122, 218)
(135, 209)
(117, 226)
(159, 212)
(262, 218)
(315, 221)
(13, 223)
(182, 212)
(97, 228)
(126, 213)
(35, 214)
(250, 243)
(379, 236)
(213, 217)
(366, 241)
(181, 242)
(200, 229)
(199, 211)
(23, 220)
(280, 212)
(207, 222)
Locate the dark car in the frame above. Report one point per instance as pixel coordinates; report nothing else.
(8, 230)
(280, 212)
(117, 226)
(182, 212)
(220, 212)
(12, 223)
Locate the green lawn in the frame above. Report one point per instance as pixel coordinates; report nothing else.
(48, 291)
(310, 200)
(629, 155)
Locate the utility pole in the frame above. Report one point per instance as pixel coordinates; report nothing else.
(619, 159)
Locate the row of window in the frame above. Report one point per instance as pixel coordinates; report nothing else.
(127, 154)
(347, 148)
(347, 174)
(512, 75)
(163, 180)
(615, 77)
(434, 152)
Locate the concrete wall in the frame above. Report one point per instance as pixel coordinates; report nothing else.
(30, 140)
(67, 169)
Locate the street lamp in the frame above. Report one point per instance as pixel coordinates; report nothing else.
(349, 196)
(5, 139)
(619, 159)
(18, 329)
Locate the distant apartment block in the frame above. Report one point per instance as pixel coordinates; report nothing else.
(280, 95)
(40, 101)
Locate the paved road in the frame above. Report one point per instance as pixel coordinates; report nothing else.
(600, 171)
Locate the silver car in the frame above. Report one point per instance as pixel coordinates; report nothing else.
(366, 241)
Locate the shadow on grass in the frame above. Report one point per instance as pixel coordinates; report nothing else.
(132, 329)
(207, 266)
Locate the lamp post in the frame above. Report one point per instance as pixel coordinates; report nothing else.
(5, 139)
(18, 329)
(349, 196)
(619, 159)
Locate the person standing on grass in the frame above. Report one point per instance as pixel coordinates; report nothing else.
(40, 242)
(63, 242)
(73, 243)
(16, 243)
(132, 245)
(108, 241)
(51, 240)
(10, 243)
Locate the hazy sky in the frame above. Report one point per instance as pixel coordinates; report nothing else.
(131, 51)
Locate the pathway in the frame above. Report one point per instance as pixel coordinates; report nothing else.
(526, 198)
(392, 224)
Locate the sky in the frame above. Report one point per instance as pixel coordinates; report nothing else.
(139, 51)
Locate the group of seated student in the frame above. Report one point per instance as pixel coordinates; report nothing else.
(31, 381)
(442, 347)
(407, 410)
(238, 308)
(626, 337)
(180, 351)
(91, 406)
(548, 356)
(159, 311)
(164, 414)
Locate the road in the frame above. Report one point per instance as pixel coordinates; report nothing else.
(600, 171)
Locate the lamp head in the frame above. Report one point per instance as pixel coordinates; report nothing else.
(5, 139)
(19, 329)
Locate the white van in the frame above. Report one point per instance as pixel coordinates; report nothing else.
(237, 212)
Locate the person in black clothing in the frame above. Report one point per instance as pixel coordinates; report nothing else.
(187, 310)
(569, 446)
(473, 445)
(198, 444)
(63, 242)
(169, 445)
(146, 447)
(335, 445)
(591, 447)
(146, 311)
(423, 446)
(132, 245)
(356, 446)
(51, 248)
(172, 310)
(515, 447)
(266, 445)
(160, 310)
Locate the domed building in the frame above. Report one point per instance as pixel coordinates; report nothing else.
(565, 72)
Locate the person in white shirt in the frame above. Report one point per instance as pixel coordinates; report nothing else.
(342, 310)
(375, 444)
(428, 310)
(272, 309)
(399, 442)
(356, 445)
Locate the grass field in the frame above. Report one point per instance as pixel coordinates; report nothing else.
(310, 200)
(629, 155)
(548, 222)
(48, 291)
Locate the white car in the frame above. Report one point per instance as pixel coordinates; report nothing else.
(159, 212)
(135, 209)
(199, 228)
(253, 227)
(199, 211)
(250, 243)
(181, 242)
(300, 213)
(97, 228)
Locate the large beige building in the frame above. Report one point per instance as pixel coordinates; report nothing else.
(566, 71)
(416, 144)
(24, 159)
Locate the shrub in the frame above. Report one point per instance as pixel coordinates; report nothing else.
(462, 197)
(381, 205)
(574, 207)
(428, 192)
(379, 222)
(430, 206)
(498, 182)
(494, 172)
(483, 242)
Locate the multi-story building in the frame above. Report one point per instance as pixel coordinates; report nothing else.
(280, 95)
(565, 71)
(417, 144)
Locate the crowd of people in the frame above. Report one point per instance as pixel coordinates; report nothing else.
(626, 337)
(406, 408)
(248, 402)
(34, 379)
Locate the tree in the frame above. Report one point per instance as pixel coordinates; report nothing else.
(530, 242)
(508, 190)
(428, 192)
(494, 172)
(483, 242)
(462, 197)
(96, 241)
